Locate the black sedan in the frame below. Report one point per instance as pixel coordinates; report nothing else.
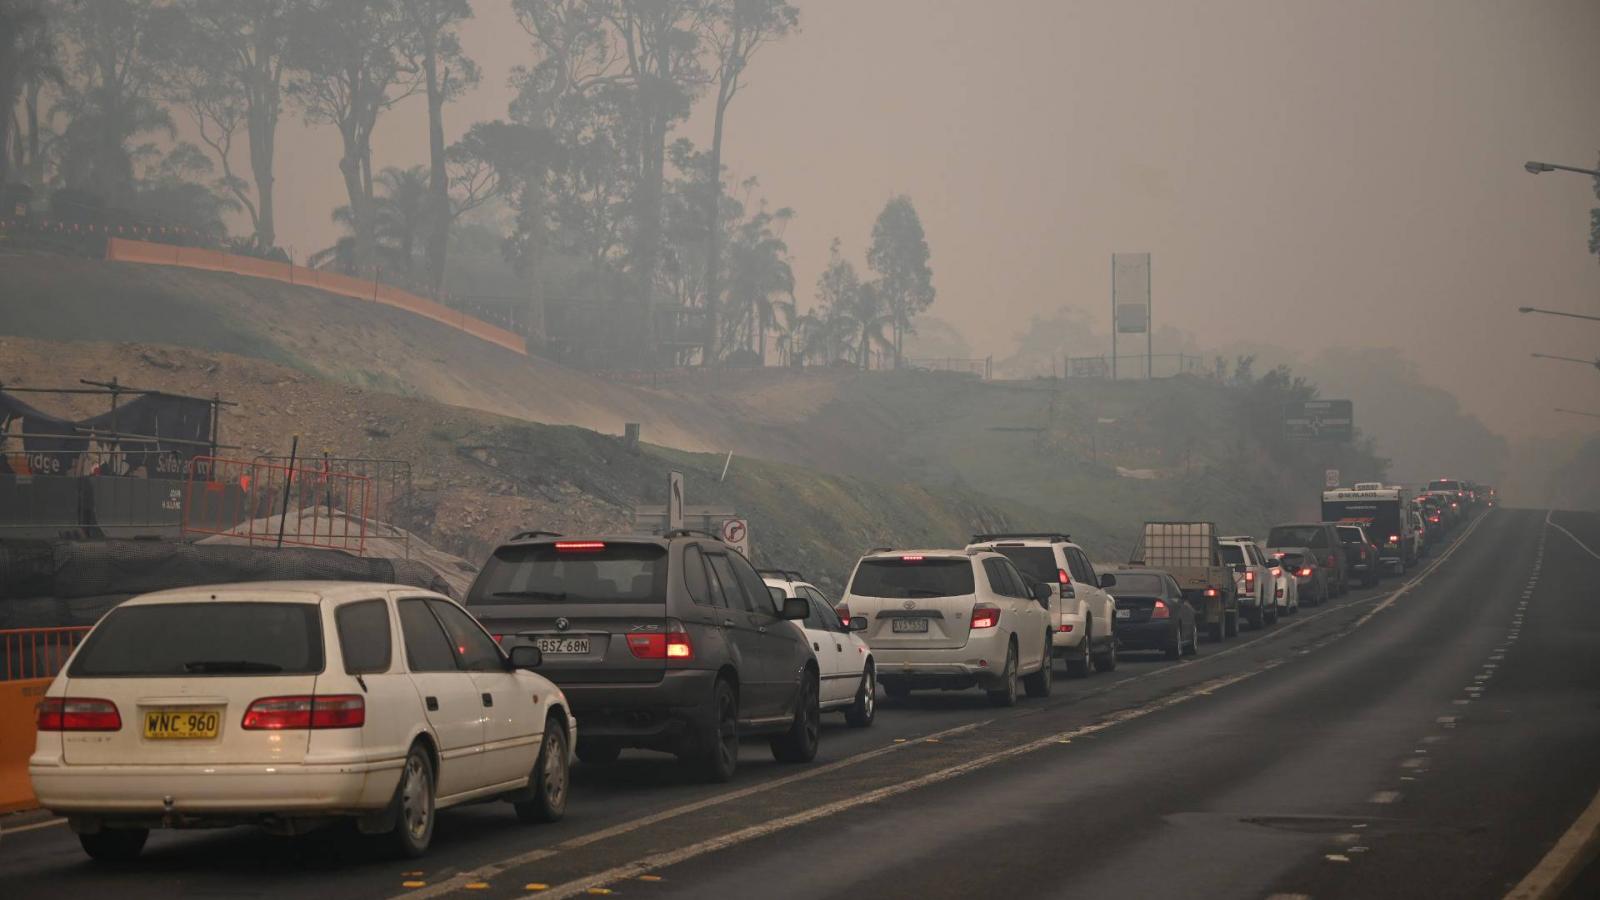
(1152, 614)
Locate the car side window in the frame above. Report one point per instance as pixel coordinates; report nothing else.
(722, 568)
(427, 647)
(754, 587)
(997, 577)
(365, 641)
(694, 576)
(1089, 573)
(1173, 593)
(1019, 582)
(475, 651)
(719, 597)
(1079, 566)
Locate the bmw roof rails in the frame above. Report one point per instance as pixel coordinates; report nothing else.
(880, 550)
(530, 535)
(690, 532)
(786, 574)
(1053, 536)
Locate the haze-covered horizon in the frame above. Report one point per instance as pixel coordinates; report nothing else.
(1304, 175)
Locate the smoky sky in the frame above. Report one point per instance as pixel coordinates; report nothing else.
(1308, 174)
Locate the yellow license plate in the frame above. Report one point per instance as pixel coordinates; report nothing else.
(182, 724)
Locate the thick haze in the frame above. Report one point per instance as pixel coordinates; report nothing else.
(1305, 174)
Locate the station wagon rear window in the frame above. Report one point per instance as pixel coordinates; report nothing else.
(1137, 584)
(905, 578)
(1298, 536)
(573, 572)
(195, 639)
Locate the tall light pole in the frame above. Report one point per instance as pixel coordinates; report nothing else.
(1534, 168)
(1556, 312)
(1587, 362)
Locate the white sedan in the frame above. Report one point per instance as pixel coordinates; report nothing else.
(849, 680)
(291, 704)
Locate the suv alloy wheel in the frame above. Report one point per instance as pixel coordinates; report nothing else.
(799, 743)
(1005, 693)
(1039, 683)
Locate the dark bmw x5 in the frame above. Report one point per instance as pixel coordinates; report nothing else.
(663, 643)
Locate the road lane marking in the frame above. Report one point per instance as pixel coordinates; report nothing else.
(1384, 797)
(664, 860)
(489, 870)
(1571, 854)
(34, 827)
(1549, 520)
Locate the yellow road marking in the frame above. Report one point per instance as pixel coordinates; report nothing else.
(413, 884)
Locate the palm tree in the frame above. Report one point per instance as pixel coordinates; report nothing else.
(400, 213)
(869, 316)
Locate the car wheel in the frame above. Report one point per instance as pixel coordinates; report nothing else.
(1176, 650)
(598, 753)
(799, 743)
(1255, 617)
(1216, 631)
(1107, 661)
(861, 713)
(413, 805)
(114, 844)
(719, 750)
(1040, 683)
(1080, 664)
(549, 779)
(1194, 641)
(1006, 693)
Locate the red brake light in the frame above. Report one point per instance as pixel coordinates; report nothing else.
(985, 616)
(1160, 611)
(579, 546)
(1063, 577)
(78, 714)
(843, 612)
(1305, 573)
(1250, 576)
(674, 644)
(305, 711)
(1064, 629)
(1394, 538)
(911, 559)
(1211, 592)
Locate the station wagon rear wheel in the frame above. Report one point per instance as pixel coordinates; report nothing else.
(550, 778)
(414, 804)
(114, 844)
(861, 713)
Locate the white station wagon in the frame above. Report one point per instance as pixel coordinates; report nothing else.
(288, 705)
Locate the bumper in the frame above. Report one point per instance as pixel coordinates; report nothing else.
(658, 715)
(1153, 635)
(1060, 641)
(979, 662)
(211, 790)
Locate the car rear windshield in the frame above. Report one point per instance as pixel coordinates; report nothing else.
(904, 579)
(1350, 533)
(186, 639)
(1297, 536)
(1444, 485)
(1137, 584)
(1231, 554)
(573, 572)
(1038, 563)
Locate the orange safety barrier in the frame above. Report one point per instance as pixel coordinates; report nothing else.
(263, 501)
(29, 659)
(124, 250)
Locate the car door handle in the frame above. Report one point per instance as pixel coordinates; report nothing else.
(433, 703)
(727, 623)
(815, 645)
(488, 699)
(839, 647)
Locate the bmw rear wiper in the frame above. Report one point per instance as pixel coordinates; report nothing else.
(213, 666)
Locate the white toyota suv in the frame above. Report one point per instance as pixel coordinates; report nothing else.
(952, 619)
(287, 704)
(1253, 576)
(1081, 611)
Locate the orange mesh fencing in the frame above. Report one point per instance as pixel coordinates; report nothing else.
(124, 250)
(29, 658)
(269, 502)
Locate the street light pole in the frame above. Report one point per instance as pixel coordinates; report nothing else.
(1587, 362)
(1534, 168)
(1556, 312)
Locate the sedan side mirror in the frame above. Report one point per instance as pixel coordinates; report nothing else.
(1108, 581)
(526, 656)
(795, 608)
(858, 623)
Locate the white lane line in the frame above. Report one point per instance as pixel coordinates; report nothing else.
(1572, 852)
(1384, 797)
(669, 858)
(18, 829)
(1551, 522)
(488, 870)
(1403, 589)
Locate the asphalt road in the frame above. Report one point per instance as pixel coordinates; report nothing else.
(1432, 738)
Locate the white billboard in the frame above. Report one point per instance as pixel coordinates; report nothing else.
(1130, 292)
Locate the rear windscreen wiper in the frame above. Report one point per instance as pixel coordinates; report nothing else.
(213, 666)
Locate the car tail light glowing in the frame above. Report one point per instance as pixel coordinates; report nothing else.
(78, 714)
(1394, 538)
(1160, 611)
(843, 612)
(1250, 577)
(985, 616)
(1305, 573)
(305, 711)
(1062, 576)
(911, 559)
(579, 546)
(1211, 592)
(673, 644)
(1064, 629)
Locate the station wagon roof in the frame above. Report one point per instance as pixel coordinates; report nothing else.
(274, 592)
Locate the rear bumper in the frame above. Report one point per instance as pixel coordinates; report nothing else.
(658, 715)
(980, 661)
(215, 790)
(1061, 641)
(1154, 634)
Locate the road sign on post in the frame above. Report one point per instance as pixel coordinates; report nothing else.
(1320, 420)
(1330, 479)
(674, 501)
(736, 534)
(1130, 303)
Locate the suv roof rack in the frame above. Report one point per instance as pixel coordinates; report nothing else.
(529, 535)
(1052, 536)
(690, 532)
(786, 574)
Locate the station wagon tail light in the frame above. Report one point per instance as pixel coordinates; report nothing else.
(1160, 611)
(305, 711)
(579, 546)
(985, 616)
(78, 714)
(672, 644)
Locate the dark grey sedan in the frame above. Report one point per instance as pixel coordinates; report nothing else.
(1152, 614)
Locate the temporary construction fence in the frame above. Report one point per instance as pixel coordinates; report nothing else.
(29, 659)
(123, 250)
(239, 498)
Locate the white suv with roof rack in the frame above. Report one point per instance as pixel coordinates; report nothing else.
(952, 620)
(1082, 613)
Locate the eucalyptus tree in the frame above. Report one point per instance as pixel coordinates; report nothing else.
(899, 255)
(447, 73)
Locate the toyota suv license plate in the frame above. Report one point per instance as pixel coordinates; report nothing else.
(182, 724)
(563, 645)
(912, 625)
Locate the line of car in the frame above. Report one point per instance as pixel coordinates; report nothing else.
(292, 705)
